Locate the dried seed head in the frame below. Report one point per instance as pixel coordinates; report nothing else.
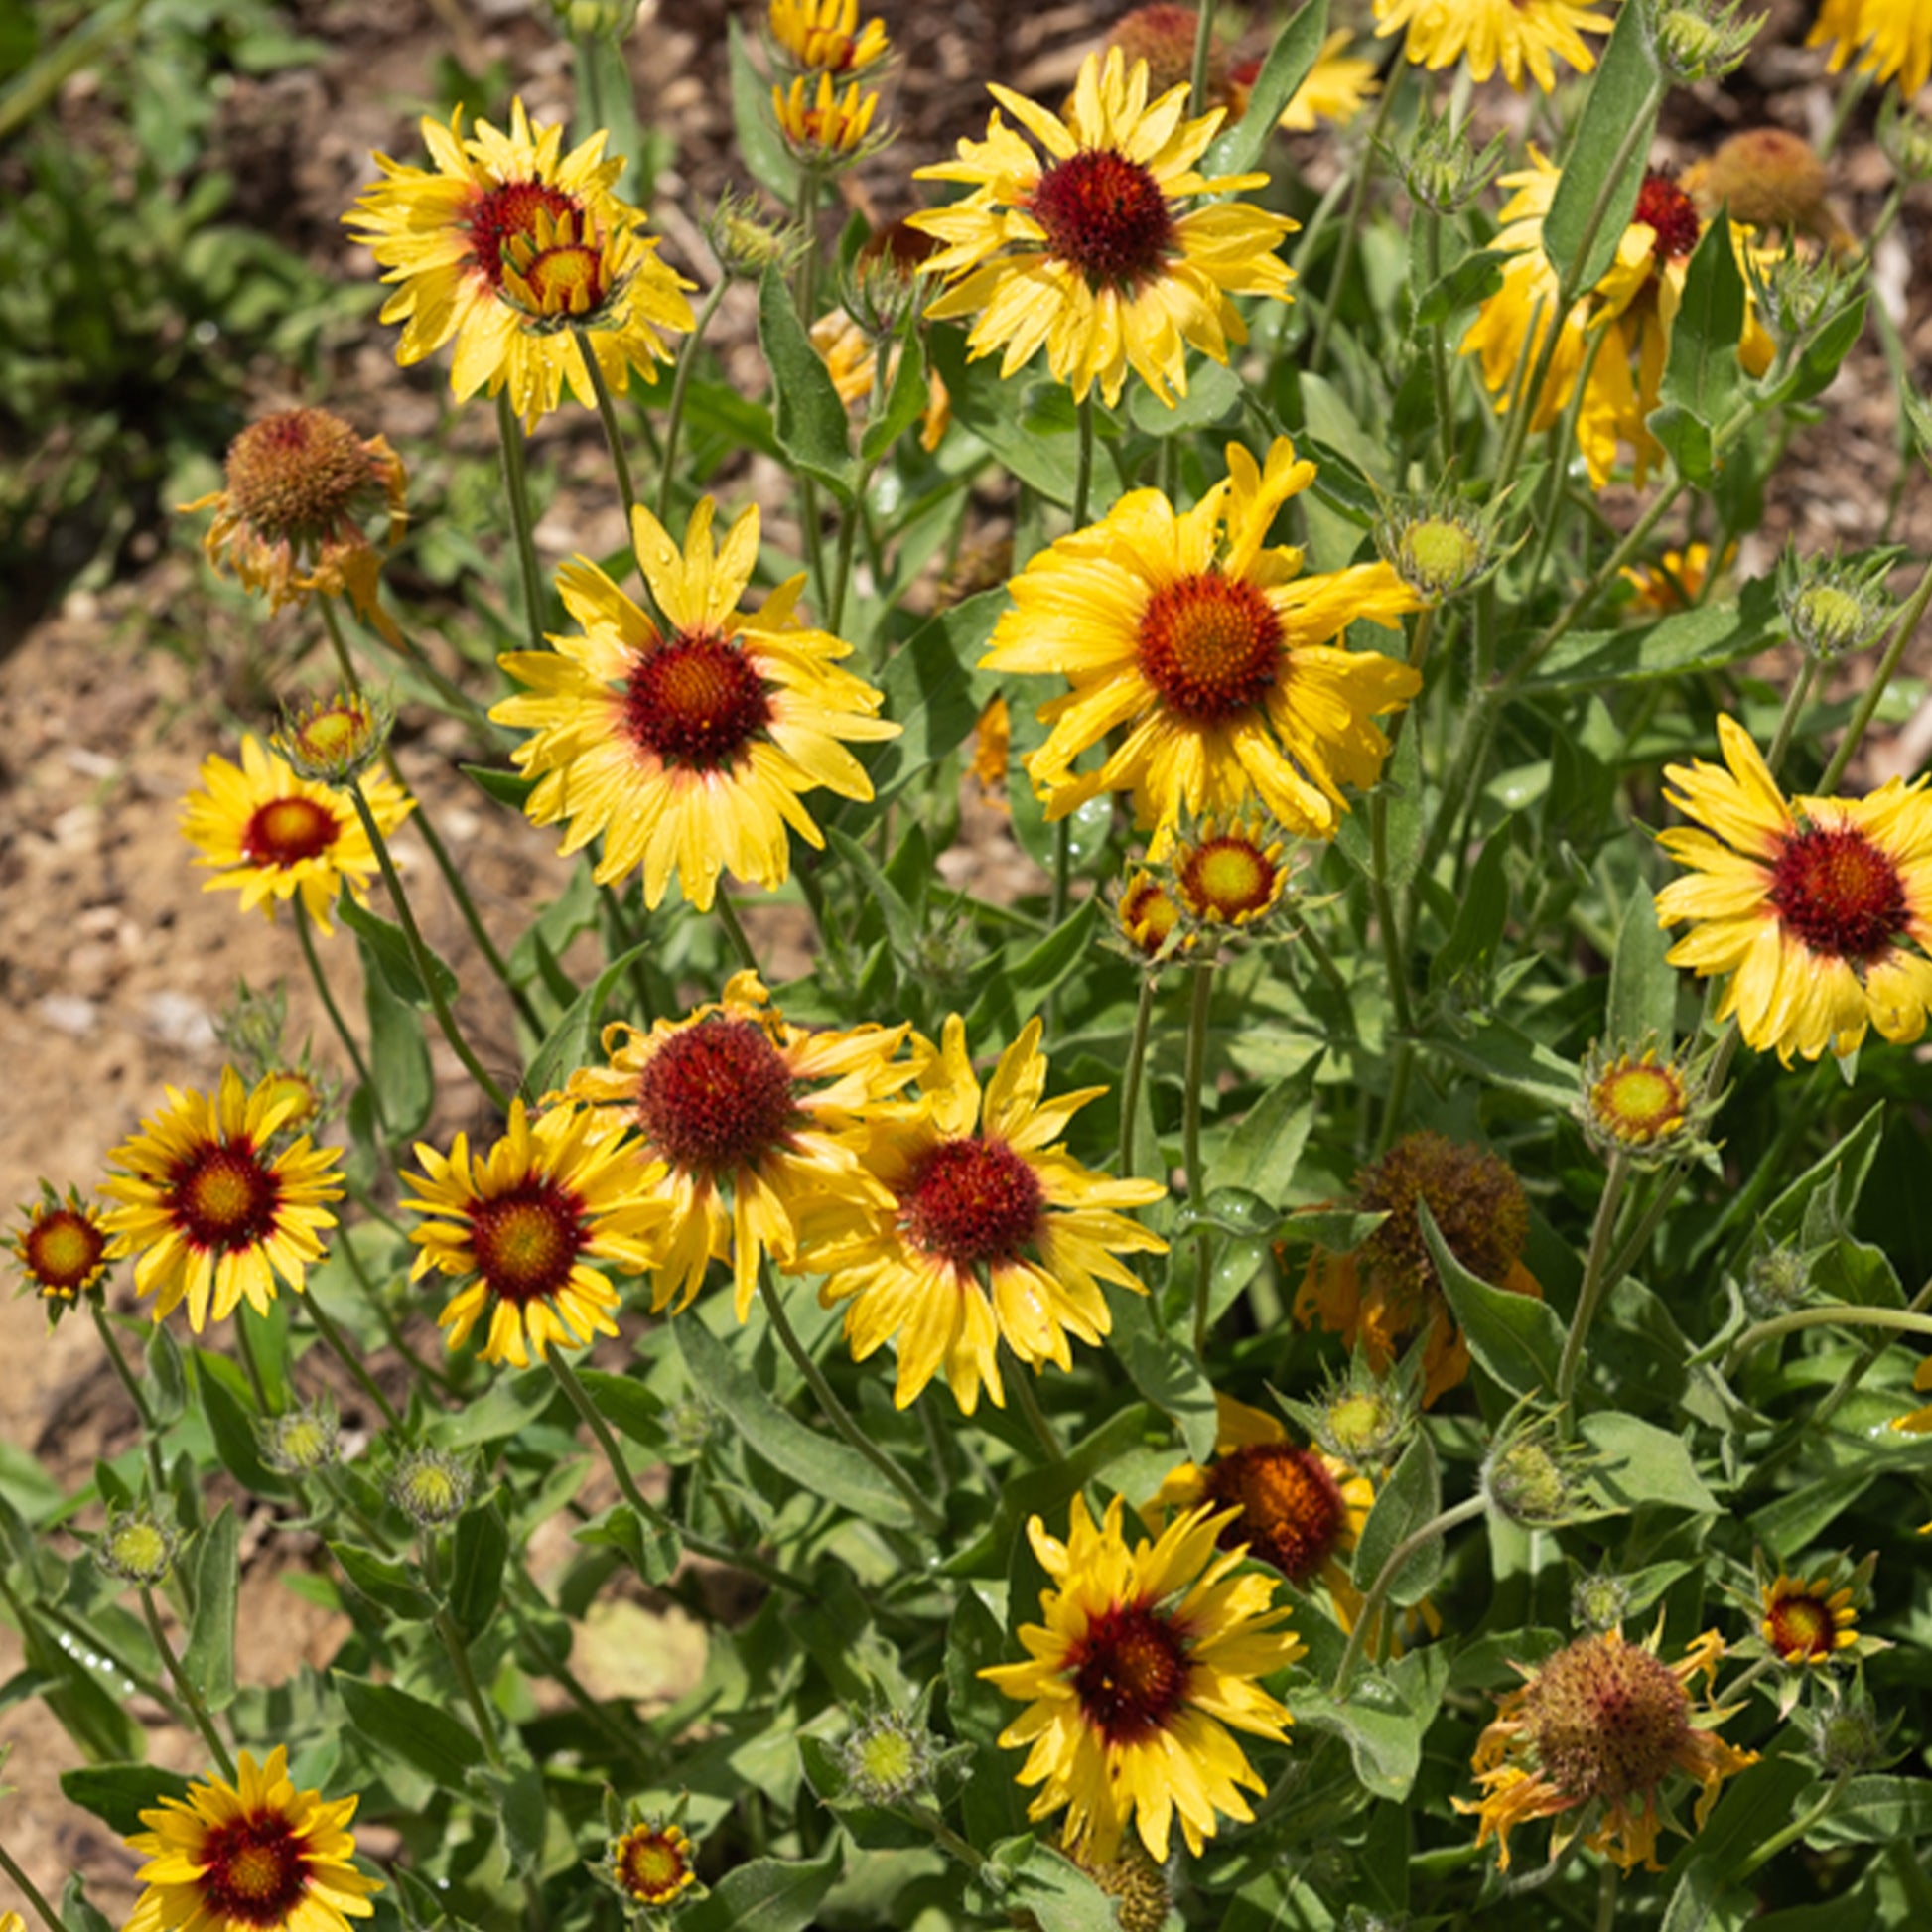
(1136, 1885)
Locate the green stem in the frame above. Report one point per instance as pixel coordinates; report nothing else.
(331, 1335)
(1902, 632)
(1021, 1383)
(1596, 1282)
(516, 486)
(1848, 1383)
(135, 1394)
(1789, 716)
(457, 1652)
(835, 1410)
(184, 1686)
(1793, 1832)
(31, 1893)
(1352, 221)
(593, 1420)
(1190, 1122)
(728, 917)
(607, 413)
(1130, 1080)
(307, 938)
(573, 1688)
(251, 1368)
(1198, 103)
(1831, 1314)
(1607, 1896)
(338, 645)
(392, 1331)
(1386, 923)
(1370, 1612)
(428, 969)
(1438, 364)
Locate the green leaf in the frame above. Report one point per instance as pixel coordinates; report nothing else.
(1265, 1149)
(512, 788)
(502, 1410)
(1015, 983)
(481, 1548)
(1645, 1464)
(208, 1659)
(626, 1404)
(651, 1546)
(820, 1465)
(1473, 279)
(78, 1914)
(767, 159)
(386, 1582)
(904, 402)
(1824, 355)
(168, 1396)
(230, 1420)
(878, 892)
(1470, 948)
(1643, 983)
(1703, 640)
(768, 1895)
(1040, 1881)
(1042, 456)
(811, 421)
(1842, 1170)
(1166, 1371)
(422, 1735)
(387, 952)
(1756, 1803)
(1383, 1721)
(1702, 380)
(1213, 392)
(573, 1039)
(1877, 1811)
(117, 1794)
(1515, 1337)
(1290, 62)
(1402, 779)
(398, 1053)
(1409, 1499)
(1622, 101)
(1796, 1520)
(934, 692)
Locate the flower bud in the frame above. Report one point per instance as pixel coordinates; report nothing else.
(1777, 1280)
(1848, 1737)
(1533, 1477)
(1148, 920)
(747, 241)
(303, 1441)
(430, 1488)
(1599, 1603)
(1905, 138)
(653, 1865)
(1698, 40)
(333, 740)
(1634, 1104)
(1136, 1885)
(138, 1545)
(890, 1759)
(1437, 548)
(1443, 170)
(61, 1249)
(1361, 1417)
(1836, 605)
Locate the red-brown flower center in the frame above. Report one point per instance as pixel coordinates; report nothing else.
(558, 272)
(1227, 879)
(1800, 1626)
(697, 702)
(1607, 1718)
(716, 1096)
(1147, 915)
(527, 1240)
(1839, 891)
(1291, 1511)
(1671, 214)
(62, 1250)
(225, 1197)
(254, 1871)
(1129, 1672)
(652, 1865)
(499, 215)
(1106, 216)
(972, 1202)
(1211, 645)
(285, 831)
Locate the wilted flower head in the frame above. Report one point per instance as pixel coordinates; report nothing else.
(303, 490)
(1135, 1883)
(139, 1545)
(1770, 178)
(1164, 37)
(431, 1487)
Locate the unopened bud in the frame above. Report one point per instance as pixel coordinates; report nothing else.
(138, 1545)
(430, 1488)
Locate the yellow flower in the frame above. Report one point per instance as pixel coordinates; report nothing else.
(852, 363)
(689, 752)
(271, 835)
(1674, 582)
(1210, 654)
(1337, 88)
(62, 1247)
(504, 244)
(523, 1224)
(1820, 908)
(214, 1217)
(1146, 1660)
(821, 122)
(254, 1855)
(824, 35)
(1380, 1294)
(1515, 35)
(1294, 1509)
(748, 1121)
(301, 488)
(988, 1231)
(1808, 1623)
(1920, 1422)
(1147, 916)
(1598, 1729)
(1091, 254)
(1617, 339)
(652, 1864)
(1229, 874)
(1892, 39)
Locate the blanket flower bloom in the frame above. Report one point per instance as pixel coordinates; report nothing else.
(522, 1226)
(271, 836)
(1212, 654)
(213, 1214)
(252, 1856)
(1598, 1730)
(688, 752)
(1145, 1661)
(749, 1121)
(508, 246)
(824, 35)
(59, 1246)
(991, 1230)
(1092, 252)
(1890, 40)
(1616, 341)
(1819, 908)
(302, 487)
(1518, 36)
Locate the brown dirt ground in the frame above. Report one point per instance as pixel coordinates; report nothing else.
(111, 967)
